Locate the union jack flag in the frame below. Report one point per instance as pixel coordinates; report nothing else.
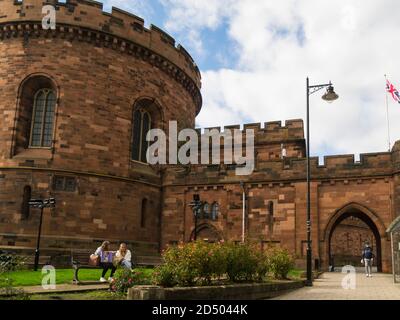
(393, 91)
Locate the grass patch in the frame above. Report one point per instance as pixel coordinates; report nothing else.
(296, 274)
(34, 278)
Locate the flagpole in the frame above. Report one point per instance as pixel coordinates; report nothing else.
(387, 116)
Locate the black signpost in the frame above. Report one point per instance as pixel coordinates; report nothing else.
(196, 206)
(40, 204)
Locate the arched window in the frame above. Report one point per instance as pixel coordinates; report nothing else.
(206, 211)
(141, 126)
(214, 211)
(143, 213)
(43, 119)
(37, 100)
(26, 197)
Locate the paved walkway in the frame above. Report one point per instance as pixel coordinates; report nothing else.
(65, 288)
(329, 287)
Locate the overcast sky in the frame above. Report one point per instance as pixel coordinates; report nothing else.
(255, 55)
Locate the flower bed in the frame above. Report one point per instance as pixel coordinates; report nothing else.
(204, 264)
(200, 263)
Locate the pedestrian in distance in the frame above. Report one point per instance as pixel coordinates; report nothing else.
(367, 260)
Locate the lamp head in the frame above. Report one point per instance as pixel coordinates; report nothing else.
(330, 95)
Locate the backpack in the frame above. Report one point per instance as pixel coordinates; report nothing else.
(368, 253)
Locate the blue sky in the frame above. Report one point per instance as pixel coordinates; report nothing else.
(255, 55)
(218, 52)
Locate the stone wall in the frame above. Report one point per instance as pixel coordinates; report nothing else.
(348, 241)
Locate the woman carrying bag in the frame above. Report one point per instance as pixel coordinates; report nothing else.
(104, 258)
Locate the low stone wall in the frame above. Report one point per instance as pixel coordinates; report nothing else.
(228, 292)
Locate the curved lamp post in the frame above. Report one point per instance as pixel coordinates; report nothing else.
(329, 97)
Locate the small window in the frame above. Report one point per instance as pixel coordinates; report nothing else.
(25, 209)
(206, 211)
(214, 211)
(70, 184)
(143, 214)
(141, 126)
(271, 208)
(62, 183)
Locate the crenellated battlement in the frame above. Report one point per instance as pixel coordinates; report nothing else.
(86, 21)
(336, 168)
(381, 160)
(269, 132)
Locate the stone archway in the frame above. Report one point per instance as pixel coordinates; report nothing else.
(362, 213)
(207, 232)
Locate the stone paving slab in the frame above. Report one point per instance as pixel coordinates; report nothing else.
(65, 288)
(329, 287)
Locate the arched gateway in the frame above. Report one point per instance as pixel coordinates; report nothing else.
(207, 232)
(368, 217)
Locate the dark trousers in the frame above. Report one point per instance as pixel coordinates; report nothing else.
(106, 267)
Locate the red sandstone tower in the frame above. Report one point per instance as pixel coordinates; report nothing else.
(69, 100)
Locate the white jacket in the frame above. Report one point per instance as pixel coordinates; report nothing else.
(128, 255)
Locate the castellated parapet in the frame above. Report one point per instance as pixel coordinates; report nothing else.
(270, 131)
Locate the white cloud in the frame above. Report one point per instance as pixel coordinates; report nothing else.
(351, 43)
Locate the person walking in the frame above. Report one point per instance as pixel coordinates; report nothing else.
(367, 259)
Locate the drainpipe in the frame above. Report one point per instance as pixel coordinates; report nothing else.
(244, 210)
(393, 261)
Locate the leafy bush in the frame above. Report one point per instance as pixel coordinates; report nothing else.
(242, 262)
(209, 261)
(9, 263)
(201, 263)
(125, 279)
(164, 276)
(280, 262)
(262, 268)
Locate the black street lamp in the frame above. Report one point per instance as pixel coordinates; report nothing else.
(329, 96)
(40, 204)
(196, 205)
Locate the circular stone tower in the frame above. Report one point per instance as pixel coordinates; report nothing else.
(76, 104)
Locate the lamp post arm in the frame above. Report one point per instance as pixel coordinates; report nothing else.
(316, 88)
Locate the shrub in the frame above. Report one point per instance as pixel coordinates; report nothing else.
(9, 263)
(209, 261)
(262, 266)
(242, 262)
(280, 262)
(201, 263)
(164, 276)
(182, 261)
(125, 279)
